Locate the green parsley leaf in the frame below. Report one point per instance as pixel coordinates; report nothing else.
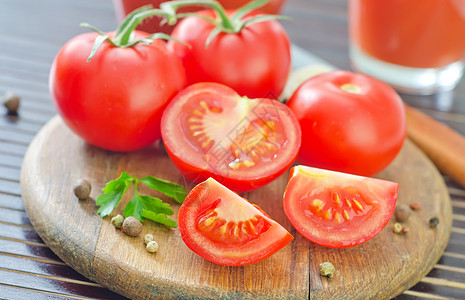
(159, 218)
(134, 208)
(141, 206)
(168, 188)
(112, 194)
(156, 205)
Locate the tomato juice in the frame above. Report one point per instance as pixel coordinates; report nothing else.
(152, 24)
(412, 33)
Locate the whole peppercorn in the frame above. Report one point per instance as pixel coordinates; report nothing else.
(402, 212)
(82, 189)
(152, 246)
(327, 269)
(11, 102)
(415, 206)
(132, 226)
(117, 221)
(398, 228)
(148, 238)
(434, 222)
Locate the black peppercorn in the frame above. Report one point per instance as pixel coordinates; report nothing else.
(434, 222)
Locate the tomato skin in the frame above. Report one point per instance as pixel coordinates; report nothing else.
(338, 210)
(235, 113)
(152, 24)
(116, 100)
(254, 62)
(272, 7)
(225, 204)
(357, 132)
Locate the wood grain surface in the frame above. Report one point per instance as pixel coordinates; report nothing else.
(381, 268)
(31, 33)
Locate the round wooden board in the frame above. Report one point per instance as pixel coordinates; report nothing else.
(381, 268)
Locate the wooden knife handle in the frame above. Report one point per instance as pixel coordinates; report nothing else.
(444, 146)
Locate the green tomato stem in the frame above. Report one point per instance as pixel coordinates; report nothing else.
(172, 6)
(123, 35)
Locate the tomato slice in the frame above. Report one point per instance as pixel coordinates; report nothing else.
(226, 229)
(210, 131)
(336, 209)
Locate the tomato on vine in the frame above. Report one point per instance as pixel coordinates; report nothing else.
(244, 49)
(111, 88)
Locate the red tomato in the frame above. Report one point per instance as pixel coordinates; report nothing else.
(336, 209)
(351, 122)
(116, 100)
(210, 131)
(152, 24)
(254, 62)
(272, 7)
(226, 229)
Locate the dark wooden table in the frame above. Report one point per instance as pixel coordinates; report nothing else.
(31, 32)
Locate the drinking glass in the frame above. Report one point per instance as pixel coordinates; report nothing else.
(417, 46)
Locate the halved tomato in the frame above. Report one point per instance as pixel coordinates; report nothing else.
(226, 229)
(336, 209)
(210, 131)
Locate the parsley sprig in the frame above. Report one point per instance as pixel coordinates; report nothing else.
(141, 206)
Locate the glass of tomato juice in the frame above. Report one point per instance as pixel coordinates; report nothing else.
(417, 46)
(152, 24)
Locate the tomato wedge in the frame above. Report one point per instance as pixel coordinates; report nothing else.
(210, 131)
(336, 209)
(226, 229)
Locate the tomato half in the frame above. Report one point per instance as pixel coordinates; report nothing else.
(226, 229)
(351, 122)
(210, 131)
(336, 209)
(116, 100)
(255, 62)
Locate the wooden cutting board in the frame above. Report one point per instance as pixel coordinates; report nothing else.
(381, 268)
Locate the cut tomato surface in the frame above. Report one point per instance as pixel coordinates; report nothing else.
(336, 209)
(226, 229)
(210, 131)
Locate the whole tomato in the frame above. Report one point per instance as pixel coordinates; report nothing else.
(350, 122)
(115, 101)
(254, 61)
(152, 24)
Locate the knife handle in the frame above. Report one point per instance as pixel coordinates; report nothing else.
(443, 145)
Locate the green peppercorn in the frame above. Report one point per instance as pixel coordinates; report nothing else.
(117, 221)
(148, 238)
(327, 269)
(398, 228)
(152, 246)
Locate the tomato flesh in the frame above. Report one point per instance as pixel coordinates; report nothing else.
(226, 229)
(210, 131)
(335, 209)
